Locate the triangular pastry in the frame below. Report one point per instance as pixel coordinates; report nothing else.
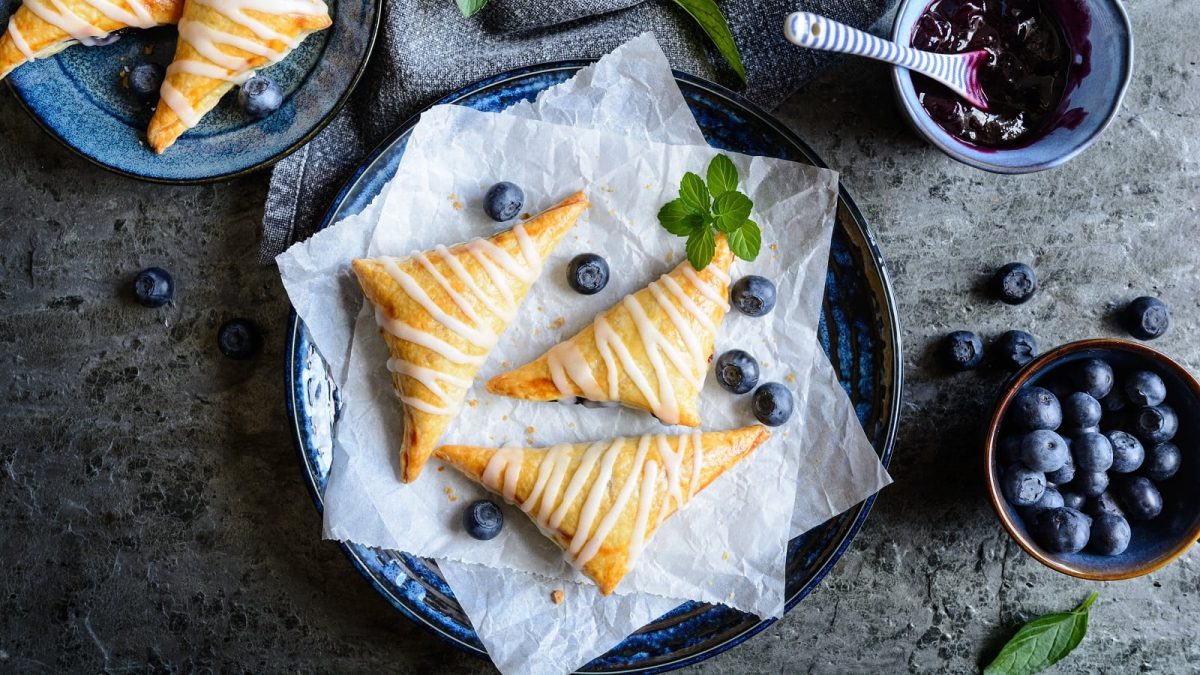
(43, 28)
(442, 311)
(649, 351)
(601, 502)
(221, 44)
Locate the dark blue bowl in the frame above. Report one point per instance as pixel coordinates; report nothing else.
(1101, 40)
(79, 98)
(1155, 543)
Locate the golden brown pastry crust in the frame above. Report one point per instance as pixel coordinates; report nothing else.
(203, 92)
(535, 381)
(617, 551)
(423, 428)
(45, 39)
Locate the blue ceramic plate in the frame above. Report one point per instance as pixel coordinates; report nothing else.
(79, 97)
(859, 331)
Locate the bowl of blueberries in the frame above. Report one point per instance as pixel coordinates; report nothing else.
(1091, 459)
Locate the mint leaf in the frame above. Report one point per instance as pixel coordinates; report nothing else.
(722, 175)
(678, 219)
(1042, 642)
(708, 15)
(730, 210)
(694, 194)
(701, 247)
(469, 7)
(746, 241)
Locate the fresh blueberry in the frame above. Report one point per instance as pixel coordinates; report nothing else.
(153, 287)
(1081, 410)
(1043, 450)
(1128, 453)
(1141, 499)
(1114, 402)
(1051, 499)
(260, 96)
(1023, 486)
(753, 295)
(146, 78)
(737, 371)
(772, 403)
(1147, 318)
(1110, 534)
(1064, 474)
(1145, 388)
(587, 274)
(1156, 424)
(1008, 450)
(1037, 408)
(1014, 283)
(1073, 500)
(239, 338)
(1093, 377)
(1090, 483)
(503, 201)
(1071, 433)
(1162, 461)
(1014, 349)
(1064, 530)
(962, 350)
(1093, 452)
(483, 519)
(1106, 502)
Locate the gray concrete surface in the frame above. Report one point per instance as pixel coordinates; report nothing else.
(152, 515)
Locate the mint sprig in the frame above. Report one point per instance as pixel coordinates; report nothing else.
(470, 7)
(1042, 642)
(716, 205)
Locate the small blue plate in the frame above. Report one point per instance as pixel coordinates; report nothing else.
(79, 96)
(859, 331)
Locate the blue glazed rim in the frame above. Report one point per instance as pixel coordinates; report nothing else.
(920, 121)
(883, 431)
(351, 85)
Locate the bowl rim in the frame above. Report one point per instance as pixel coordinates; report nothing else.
(992, 481)
(913, 110)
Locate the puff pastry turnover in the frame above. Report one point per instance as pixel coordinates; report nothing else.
(42, 28)
(442, 311)
(221, 43)
(649, 351)
(601, 502)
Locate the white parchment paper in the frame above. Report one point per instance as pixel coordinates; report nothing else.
(707, 552)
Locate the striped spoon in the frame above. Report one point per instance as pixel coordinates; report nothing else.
(959, 72)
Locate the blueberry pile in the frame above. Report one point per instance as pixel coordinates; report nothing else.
(1083, 457)
(737, 370)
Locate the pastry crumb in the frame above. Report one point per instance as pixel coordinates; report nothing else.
(505, 418)
(441, 467)
(558, 323)
(148, 49)
(725, 555)
(450, 494)
(766, 363)
(530, 430)
(607, 188)
(558, 596)
(570, 425)
(456, 205)
(791, 377)
(473, 402)
(525, 216)
(506, 364)
(670, 256)
(648, 186)
(774, 247)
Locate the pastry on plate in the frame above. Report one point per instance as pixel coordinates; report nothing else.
(221, 43)
(42, 28)
(649, 351)
(601, 502)
(441, 312)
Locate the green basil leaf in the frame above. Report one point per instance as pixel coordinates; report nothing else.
(677, 219)
(746, 241)
(708, 15)
(694, 193)
(722, 175)
(701, 247)
(1042, 642)
(469, 7)
(730, 210)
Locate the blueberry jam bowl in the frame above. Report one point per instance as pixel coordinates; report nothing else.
(1054, 77)
(1092, 459)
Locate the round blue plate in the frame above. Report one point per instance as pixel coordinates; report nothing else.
(859, 331)
(81, 98)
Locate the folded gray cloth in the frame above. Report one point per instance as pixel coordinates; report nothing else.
(426, 50)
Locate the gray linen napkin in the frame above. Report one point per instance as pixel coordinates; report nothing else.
(426, 50)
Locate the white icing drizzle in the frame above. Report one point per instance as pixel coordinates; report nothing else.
(475, 330)
(58, 14)
(567, 365)
(18, 39)
(552, 502)
(208, 42)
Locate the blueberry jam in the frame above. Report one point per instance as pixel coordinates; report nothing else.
(1024, 77)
